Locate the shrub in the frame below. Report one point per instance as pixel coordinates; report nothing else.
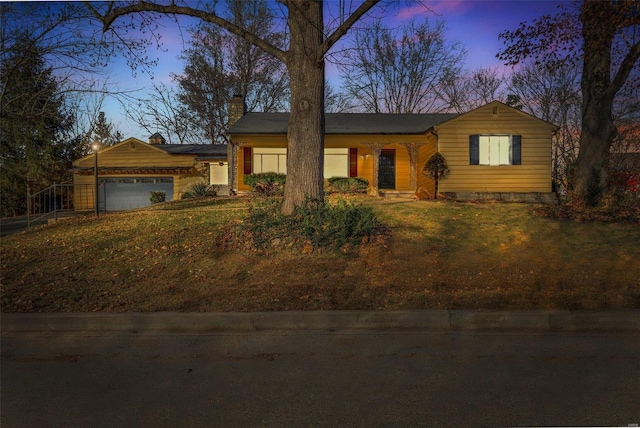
(348, 184)
(200, 190)
(157, 197)
(316, 222)
(436, 168)
(325, 225)
(266, 183)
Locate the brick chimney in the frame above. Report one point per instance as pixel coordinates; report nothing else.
(157, 139)
(237, 109)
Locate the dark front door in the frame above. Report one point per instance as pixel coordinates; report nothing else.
(387, 169)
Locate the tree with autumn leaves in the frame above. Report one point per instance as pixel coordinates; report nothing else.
(604, 36)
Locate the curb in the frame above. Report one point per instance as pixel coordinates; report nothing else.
(233, 322)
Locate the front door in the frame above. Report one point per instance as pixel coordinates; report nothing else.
(387, 169)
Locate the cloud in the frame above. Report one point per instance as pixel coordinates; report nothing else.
(444, 8)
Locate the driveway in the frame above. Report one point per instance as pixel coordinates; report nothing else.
(11, 225)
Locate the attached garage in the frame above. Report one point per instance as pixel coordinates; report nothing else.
(129, 171)
(127, 193)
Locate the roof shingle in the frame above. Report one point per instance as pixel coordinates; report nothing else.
(344, 123)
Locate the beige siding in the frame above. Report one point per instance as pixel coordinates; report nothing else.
(135, 153)
(534, 175)
(424, 154)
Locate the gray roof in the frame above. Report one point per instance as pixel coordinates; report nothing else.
(344, 123)
(200, 150)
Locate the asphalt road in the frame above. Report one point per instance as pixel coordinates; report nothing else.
(324, 377)
(9, 226)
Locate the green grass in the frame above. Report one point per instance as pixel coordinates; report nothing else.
(441, 255)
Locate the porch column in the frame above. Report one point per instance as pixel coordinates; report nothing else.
(412, 149)
(375, 148)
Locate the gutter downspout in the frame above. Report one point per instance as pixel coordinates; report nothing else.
(434, 131)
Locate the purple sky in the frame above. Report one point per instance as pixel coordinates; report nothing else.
(474, 23)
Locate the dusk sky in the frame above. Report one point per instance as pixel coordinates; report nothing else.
(474, 23)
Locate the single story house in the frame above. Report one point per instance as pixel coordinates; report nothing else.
(129, 171)
(491, 150)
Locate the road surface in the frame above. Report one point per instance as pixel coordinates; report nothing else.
(327, 378)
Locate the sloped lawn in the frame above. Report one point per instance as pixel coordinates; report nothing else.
(437, 255)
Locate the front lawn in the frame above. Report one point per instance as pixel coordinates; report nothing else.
(438, 255)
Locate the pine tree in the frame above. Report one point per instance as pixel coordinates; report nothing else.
(104, 132)
(32, 123)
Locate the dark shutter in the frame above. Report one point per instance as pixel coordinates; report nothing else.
(474, 149)
(353, 162)
(246, 154)
(516, 150)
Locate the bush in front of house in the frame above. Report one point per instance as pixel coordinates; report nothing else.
(324, 225)
(157, 197)
(316, 224)
(200, 190)
(436, 168)
(348, 184)
(266, 183)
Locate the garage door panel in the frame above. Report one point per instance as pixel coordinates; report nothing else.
(119, 194)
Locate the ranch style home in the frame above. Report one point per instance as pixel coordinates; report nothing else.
(494, 151)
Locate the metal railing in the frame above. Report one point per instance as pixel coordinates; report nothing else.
(50, 202)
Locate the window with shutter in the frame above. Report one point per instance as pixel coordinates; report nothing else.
(353, 162)
(474, 149)
(516, 150)
(495, 150)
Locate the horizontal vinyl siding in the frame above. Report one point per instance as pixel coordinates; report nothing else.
(424, 181)
(141, 156)
(534, 175)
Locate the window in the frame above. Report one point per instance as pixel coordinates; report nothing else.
(337, 162)
(494, 150)
(269, 160)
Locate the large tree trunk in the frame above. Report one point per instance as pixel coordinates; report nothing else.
(598, 130)
(305, 153)
(376, 149)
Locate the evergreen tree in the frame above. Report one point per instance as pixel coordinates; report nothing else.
(32, 124)
(104, 132)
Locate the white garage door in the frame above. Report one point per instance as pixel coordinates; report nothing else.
(119, 194)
